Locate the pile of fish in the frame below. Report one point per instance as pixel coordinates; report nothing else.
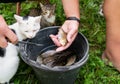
(52, 58)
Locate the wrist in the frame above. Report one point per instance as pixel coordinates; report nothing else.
(73, 18)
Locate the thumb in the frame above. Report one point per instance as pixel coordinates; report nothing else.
(11, 36)
(70, 35)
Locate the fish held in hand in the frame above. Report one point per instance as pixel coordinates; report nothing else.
(62, 37)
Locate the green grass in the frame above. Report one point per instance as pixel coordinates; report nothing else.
(92, 26)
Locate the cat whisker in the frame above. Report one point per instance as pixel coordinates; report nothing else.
(31, 43)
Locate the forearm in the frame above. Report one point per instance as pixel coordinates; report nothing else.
(112, 16)
(71, 8)
(111, 9)
(2, 21)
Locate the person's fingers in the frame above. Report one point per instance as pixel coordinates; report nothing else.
(52, 36)
(71, 35)
(3, 42)
(11, 36)
(73, 38)
(55, 40)
(61, 48)
(65, 28)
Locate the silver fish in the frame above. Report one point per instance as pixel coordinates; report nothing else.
(62, 37)
(52, 58)
(71, 60)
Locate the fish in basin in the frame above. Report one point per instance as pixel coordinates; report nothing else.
(51, 58)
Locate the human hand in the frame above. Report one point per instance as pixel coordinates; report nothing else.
(71, 28)
(5, 32)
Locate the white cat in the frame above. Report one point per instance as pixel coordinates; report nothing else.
(26, 27)
(9, 60)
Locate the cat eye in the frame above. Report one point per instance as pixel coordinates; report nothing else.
(26, 31)
(34, 30)
(45, 12)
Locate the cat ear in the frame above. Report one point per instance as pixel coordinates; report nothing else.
(38, 18)
(18, 18)
(41, 5)
(54, 5)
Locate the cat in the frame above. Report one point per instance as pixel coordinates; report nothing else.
(9, 62)
(48, 14)
(25, 27)
(101, 9)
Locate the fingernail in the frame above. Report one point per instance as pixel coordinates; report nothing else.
(69, 39)
(57, 50)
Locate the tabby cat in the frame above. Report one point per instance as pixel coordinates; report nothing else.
(48, 14)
